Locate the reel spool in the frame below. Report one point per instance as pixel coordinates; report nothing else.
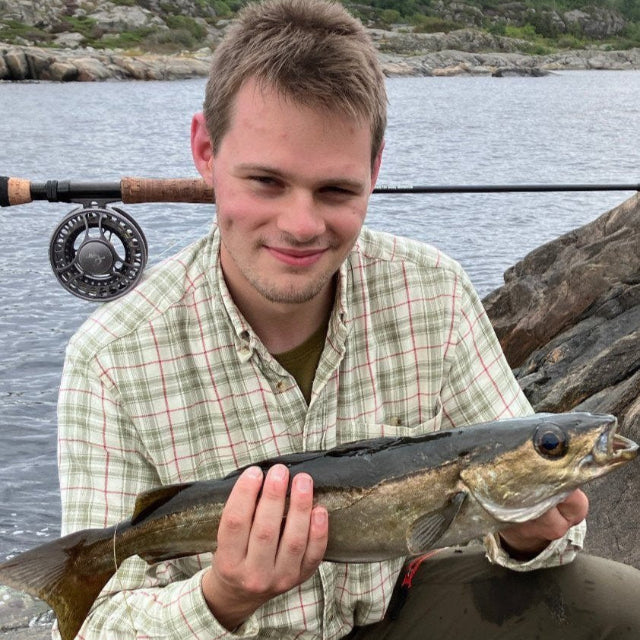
(98, 253)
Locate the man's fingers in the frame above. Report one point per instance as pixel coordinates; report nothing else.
(304, 538)
(317, 545)
(267, 521)
(237, 516)
(574, 507)
(296, 531)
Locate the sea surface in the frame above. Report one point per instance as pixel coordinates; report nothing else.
(570, 127)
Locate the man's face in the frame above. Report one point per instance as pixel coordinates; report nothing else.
(292, 186)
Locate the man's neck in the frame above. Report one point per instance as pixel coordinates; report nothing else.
(282, 327)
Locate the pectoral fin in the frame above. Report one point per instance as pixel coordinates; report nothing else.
(425, 532)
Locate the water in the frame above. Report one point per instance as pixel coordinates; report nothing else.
(569, 127)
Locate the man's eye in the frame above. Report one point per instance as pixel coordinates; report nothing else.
(338, 191)
(265, 180)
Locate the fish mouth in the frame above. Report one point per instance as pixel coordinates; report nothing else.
(611, 448)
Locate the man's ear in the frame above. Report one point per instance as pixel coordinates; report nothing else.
(201, 149)
(375, 169)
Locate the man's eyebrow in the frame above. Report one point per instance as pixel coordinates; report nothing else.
(330, 181)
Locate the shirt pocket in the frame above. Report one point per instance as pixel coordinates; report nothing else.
(397, 424)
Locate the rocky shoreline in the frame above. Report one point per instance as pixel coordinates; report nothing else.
(461, 52)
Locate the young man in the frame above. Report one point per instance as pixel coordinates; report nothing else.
(290, 327)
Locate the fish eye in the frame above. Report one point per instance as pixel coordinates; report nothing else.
(550, 441)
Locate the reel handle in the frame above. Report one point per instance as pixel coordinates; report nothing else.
(14, 191)
(136, 190)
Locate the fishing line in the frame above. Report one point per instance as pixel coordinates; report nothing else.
(121, 588)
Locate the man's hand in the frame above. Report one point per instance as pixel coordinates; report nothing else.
(257, 557)
(526, 540)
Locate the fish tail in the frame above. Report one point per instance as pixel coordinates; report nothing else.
(68, 573)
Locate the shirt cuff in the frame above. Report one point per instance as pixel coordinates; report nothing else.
(203, 624)
(559, 552)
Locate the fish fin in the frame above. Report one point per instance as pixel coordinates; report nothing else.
(68, 573)
(425, 532)
(148, 501)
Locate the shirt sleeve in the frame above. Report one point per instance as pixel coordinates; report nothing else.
(481, 387)
(102, 467)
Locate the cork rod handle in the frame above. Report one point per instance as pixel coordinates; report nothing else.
(14, 191)
(135, 190)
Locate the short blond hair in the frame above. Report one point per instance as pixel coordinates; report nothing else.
(312, 51)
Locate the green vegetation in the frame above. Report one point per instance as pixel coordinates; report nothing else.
(537, 23)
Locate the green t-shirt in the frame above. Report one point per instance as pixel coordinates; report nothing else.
(301, 361)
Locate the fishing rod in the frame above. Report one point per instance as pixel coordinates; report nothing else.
(98, 252)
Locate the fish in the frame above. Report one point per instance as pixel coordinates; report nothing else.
(386, 498)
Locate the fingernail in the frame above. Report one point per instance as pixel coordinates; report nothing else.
(278, 472)
(319, 517)
(303, 483)
(253, 472)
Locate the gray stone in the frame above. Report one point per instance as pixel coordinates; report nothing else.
(16, 62)
(70, 40)
(62, 72)
(23, 617)
(92, 69)
(117, 18)
(38, 62)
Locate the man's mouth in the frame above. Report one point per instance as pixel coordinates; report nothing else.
(296, 257)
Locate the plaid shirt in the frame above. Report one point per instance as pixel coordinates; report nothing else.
(171, 385)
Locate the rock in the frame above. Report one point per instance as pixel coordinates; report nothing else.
(38, 62)
(69, 40)
(568, 319)
(91, 69)
(116, 19)
(510, 72)
(595, 22)
(23, 617)
(16, 62)
(62, 72)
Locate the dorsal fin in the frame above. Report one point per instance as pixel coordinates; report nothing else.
(148, 501)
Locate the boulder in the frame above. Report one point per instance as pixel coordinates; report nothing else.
(16, 62)
(568, 319)
(61, 72)
(595, 22)
(92, 69)
(68, 40)
(116, 18)
(38, 62)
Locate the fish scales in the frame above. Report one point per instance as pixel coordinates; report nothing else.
(386, 498)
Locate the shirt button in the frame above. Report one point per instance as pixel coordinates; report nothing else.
(280, 386)
(395, 421)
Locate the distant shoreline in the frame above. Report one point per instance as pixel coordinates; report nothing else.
(463, 52)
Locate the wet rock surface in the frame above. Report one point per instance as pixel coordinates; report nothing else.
(23, 617)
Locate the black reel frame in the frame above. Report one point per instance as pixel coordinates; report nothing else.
(98, 252)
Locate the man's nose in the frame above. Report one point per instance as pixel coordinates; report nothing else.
(301, 217)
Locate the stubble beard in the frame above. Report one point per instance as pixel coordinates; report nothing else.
(290, 294)
(299, 289)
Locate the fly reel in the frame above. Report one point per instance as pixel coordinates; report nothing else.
(98, 253)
